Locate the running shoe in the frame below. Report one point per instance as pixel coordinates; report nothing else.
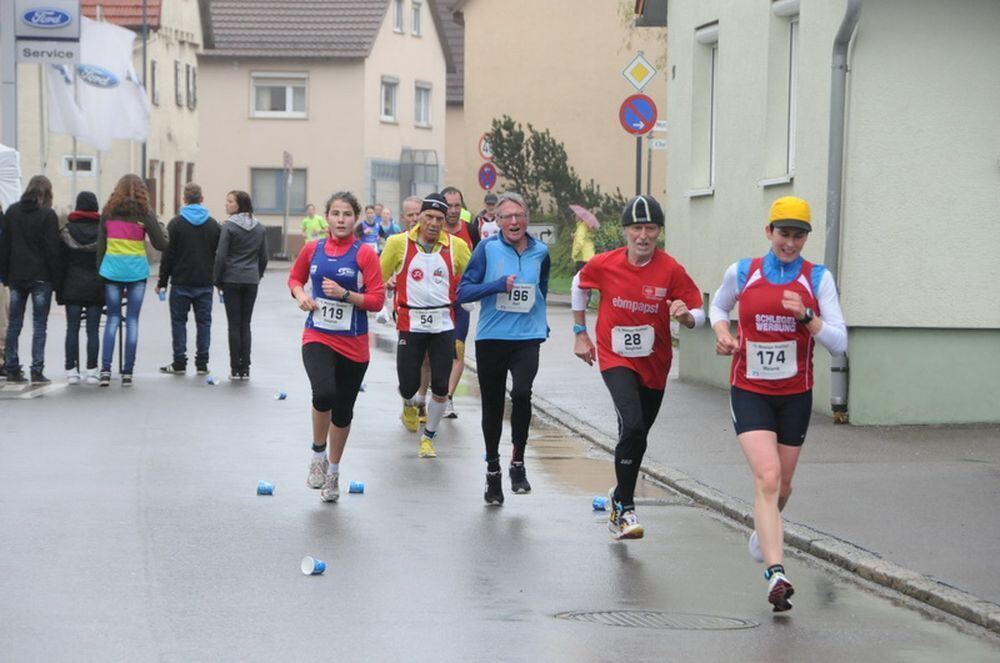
(173, 369)
(126, 379)
(410, 418)
(422, 413)
(629, 526)
(494, 489)
(92, 377)
(426, 447)
(449, 410)
(38, 378)
(613, 508)
(317, 472)
(519, 479)
(754, 546)
(779, 590)
(331, 488)
(105, 379)
(73, 376)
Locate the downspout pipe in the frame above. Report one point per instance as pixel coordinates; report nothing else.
(835, 187)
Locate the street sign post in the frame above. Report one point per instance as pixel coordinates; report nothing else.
(288, 165)
(487, 176)
(486, 147)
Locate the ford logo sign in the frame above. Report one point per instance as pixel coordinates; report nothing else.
(97, 76)
(43, 17)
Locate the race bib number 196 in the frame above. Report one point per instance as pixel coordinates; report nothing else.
(771, 361)
(333, 315)
(632, 341)
(521, 299)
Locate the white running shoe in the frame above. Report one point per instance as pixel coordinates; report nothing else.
(449, 409)
(331, 488)
(317, 473)
(779, 590)
(73, 376)
(754, 546)
(92, 376)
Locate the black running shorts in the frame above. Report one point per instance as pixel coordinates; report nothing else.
(786, 416)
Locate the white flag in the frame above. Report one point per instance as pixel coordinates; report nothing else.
(105, 99)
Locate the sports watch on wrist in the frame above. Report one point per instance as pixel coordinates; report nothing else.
(577, 329)
(347, 293)
(807, 317)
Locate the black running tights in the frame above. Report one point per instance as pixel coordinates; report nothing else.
(637, 407)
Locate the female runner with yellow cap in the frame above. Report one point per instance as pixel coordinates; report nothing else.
(786, 305)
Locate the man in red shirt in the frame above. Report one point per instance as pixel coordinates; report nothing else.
(641, 288)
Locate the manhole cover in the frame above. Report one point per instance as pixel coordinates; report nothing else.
(656, 619)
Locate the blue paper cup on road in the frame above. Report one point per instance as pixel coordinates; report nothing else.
(163, 295)
(265, 488)
(312, 566)
(211, 380)
(600, 503)
(281, 395)
(356, 487)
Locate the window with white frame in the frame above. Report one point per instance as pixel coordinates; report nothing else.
(79, 165)
(154, 82)
(704, 108)
(415, 22)
(422, 105)
(390, 99)
(782, 93)
(397, 15)
(278, 95)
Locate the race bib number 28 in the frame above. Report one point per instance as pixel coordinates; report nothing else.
(632, 341)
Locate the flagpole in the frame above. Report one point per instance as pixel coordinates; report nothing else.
(145, 89)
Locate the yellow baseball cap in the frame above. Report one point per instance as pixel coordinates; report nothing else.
(791, 212)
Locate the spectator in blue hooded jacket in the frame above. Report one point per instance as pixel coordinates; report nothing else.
(189, 262)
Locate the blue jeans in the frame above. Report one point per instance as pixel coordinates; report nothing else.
(182, 299)
(73, 314)
(113, 294)
(40, 293)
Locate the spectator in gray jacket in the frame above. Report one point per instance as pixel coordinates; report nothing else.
(240, 262)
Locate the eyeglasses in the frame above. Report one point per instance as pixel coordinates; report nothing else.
(519, 216)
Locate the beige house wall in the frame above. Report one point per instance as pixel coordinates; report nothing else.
(173, 133)
(558, 65)
(455, 157)
(326, 143)
(408, 58)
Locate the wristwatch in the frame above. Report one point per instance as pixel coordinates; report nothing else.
(347, 293)
(577, 329)
(807, 317)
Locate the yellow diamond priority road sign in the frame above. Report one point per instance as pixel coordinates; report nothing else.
(639, 72)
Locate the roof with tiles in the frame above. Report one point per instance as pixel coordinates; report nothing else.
(294, 28)
(126, 13)
(453, 25)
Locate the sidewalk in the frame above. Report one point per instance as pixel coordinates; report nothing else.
(913, 508)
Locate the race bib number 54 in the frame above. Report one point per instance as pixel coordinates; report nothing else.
(333, 315)
(632, 341)
(771, 361)
(521, 299)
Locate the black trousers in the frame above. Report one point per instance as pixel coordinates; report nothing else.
(494, 359)
(240, 298)
(335, 381)
(637, 407)
(410, 353)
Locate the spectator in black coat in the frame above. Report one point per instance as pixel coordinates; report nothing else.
(81, 290)
(29, 265)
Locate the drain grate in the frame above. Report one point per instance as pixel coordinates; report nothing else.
(656, 619)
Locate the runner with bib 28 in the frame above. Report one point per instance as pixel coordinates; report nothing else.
(786, 305)
(641, 288)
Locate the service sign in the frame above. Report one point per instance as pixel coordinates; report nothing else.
(48, 52)
(47, 19)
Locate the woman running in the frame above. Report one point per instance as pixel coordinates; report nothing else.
(786, 304)
(346, 283)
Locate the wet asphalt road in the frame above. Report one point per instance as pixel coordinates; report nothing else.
(132, 531)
